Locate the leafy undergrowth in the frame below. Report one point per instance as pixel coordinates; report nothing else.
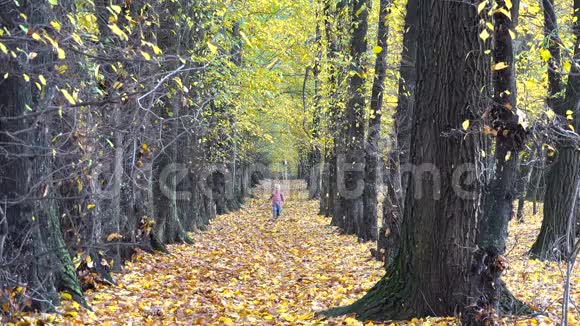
(250, 270)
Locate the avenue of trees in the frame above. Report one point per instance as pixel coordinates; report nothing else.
(460, 150)
(421, 125)
(120, 129)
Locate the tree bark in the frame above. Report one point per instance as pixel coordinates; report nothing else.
(404, 115)
(565, 173)
(33, 251)
(396, 182)
(373, 149)
(168, 170)
(315, 154)
(499, 194)
(350, 156)
(336, 73)
(431, 274)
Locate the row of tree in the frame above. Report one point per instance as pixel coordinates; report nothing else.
(452, 175)
(115, 120)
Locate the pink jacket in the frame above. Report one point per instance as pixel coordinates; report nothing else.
(277, 197)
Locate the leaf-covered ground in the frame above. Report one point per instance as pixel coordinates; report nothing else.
(539, 284)
(251, 270)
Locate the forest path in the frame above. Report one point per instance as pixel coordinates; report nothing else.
(247, 269)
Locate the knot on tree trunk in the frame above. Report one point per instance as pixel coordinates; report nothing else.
(502, 122)
(489, 264)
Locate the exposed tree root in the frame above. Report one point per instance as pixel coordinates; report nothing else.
(544, 252)
(203, 228)
(510, 305)
(384, 301)
(387, 300)
(183, 237)
(157, 244)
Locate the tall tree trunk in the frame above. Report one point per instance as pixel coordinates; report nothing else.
(185, 187)
(577, 214)
(33, 251)
(404, 115)
(171, 173)
(396, 182)
(350, 157)
(336, 73)
(32, 220)
(170, 228)
(431, 274)
(108, 216)
(499, 193)
(235, 199)
(373, 150)
(564, 174)
(315, 154)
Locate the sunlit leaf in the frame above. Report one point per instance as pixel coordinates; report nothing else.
(68, 96)
(484, 35)
(246, 39)
(114, 237)
(61, 54)
(508, 4)
(212, 48)
(504, 12)
(146, 55)
(65, 296)
(545, 54)
(117, 31)
(465, 124)
(481, 6)
(56, 25)
(500, 66)
(116, 8)
(508, 155)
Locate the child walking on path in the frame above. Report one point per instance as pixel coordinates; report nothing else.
(277, 201)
